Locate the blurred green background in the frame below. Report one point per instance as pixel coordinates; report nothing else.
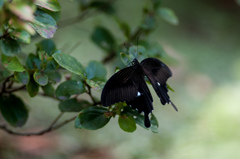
(206, 49)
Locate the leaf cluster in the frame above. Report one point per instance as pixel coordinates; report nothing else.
(42, 72)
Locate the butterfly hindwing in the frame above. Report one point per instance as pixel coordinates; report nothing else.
(158, 73)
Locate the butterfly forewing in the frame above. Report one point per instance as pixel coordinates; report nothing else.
(120, 87)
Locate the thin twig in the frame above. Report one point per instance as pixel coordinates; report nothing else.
(16, 89)
(89, 92)
(51, 127)
(4, 84)
(63, 123)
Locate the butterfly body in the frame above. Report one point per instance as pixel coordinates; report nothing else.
(129, 85)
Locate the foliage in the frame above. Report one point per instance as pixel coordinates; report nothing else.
(43, 69)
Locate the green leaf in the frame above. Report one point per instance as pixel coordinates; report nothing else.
(22, 10)
(126, 59)
(1, 4)
(139, 118)
(92, 118)
(52, 5)
(68, 88)
(33, 62)
(10, 47)
(32, 87)
(170, 88)
(138, 51)
(77, 123)
(95, 70)
(127, 123)
(4, 74)
(103, 38)
(48, 90)
(44, 24)
(149, 21)
(13, 110)
(47, 45)
(41, 78)
(56, 15)
(12, 63)
(22, 77)
(154, 123)
(53, 76)
(70, 63)
(168, 15)
(22, 36)
(125, 28)
(95, 84)
(72, 105)
(156, 3)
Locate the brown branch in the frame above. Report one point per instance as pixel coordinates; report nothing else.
(4, 84)
(51, 127)
(16, 89)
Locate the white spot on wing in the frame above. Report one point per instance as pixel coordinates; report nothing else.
(138, 94)
(158, 83)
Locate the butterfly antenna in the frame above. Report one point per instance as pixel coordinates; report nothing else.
(129, 50)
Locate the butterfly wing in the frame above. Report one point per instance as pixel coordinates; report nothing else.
(143, 101)
(158, 73)
(128, 85)
(120, 87)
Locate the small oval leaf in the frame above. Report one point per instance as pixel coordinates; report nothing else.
(12, 63)
(10, 47)
(32, 87)
(72, 105)
(52, 5)
(48, 90)
(103, 38)
(41, 78)
(92, 118)
(70, 63)
(22, 77)
(68, 88)
(44, 24)
(127, 123)
(95, 70)
(13, 110)
(168, 15)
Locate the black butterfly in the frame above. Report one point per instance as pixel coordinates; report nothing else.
(129, 85)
